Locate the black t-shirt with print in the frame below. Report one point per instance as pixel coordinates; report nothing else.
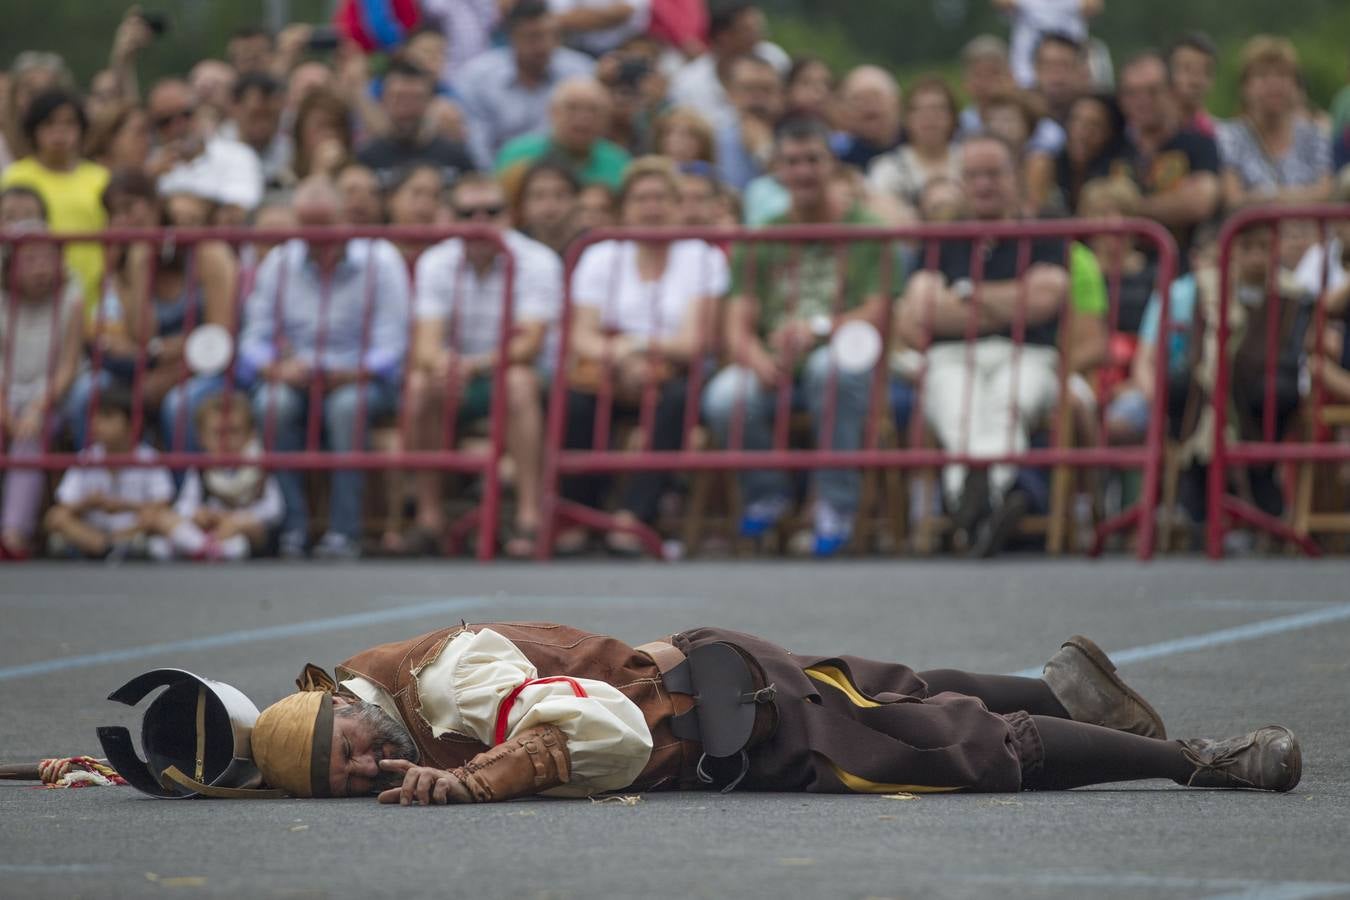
(1185, 153)
(955, 261)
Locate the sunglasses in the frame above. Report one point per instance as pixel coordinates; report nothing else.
(168, 119)
(468, 213)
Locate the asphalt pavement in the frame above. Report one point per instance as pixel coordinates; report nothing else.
(1216, 648)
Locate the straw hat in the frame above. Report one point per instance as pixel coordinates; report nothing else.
(292, 742)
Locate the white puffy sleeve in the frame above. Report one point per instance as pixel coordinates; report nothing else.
(464, 687)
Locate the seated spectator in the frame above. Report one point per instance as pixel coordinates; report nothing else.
(460, 291)
(321, 136)
(1032, 20)
(212, 83)
(356, 295)
(643, 312)
(928, 152)
(1272, 153)
(1061, 72)
(405, 100)
(637, 92)
(784, 319)
(120, 140)
(578, 114)
(599, 26)
(41, 316)
(735, 29)
(869, 116)
(148, 313)
(104, 512)
(362, 200)
(506, 91)
(809, 89)
(745, 145)
(1013, 117)
(71, 187)
(986, 506)
(251, 49)
(212, 167)
(547, 204)
(222, 513)
(1121, 260)
(1192, 61)
(942, 200)
(1333, 292)
(1096, 148)
(597, 207)
(468, 27)
(985, 71)
(32, 73)
(414, 200)
(255, 120)
(701, 203)
(683, 136)
(1176, 169)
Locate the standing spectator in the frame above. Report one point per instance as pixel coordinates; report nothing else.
(121, 140)
(1176, 169)
(251, 49)
(468, 26)
(684, 136)
(993, 422)
(356, 295)
(1032, 19)
(212, 83)
(578, 114)
(745, 145)
(768, 335)
(546, 205)
(985, 71)
(506, 91)
(647, 310)
(929, 152)
(33, 73)
(406, 97)
(735, 28)
(1095, 149)
(321, 135)
(1272, 153)
(599, 26)
(809, 89)
(461, 287)
(104, 512)
(869, 116)
(414, 200)
(71, 187)
(362, 201)
(1061, 67)
(255, 121)
(1191, 64)
(215, 168)
(41, 325)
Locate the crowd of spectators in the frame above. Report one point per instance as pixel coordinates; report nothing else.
(549, 118)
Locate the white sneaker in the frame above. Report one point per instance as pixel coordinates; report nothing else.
(336, 546)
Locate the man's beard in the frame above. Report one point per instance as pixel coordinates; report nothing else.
(386, 731)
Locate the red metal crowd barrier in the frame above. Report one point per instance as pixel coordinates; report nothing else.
(178, 245)
(1272, 443)
(601, 457)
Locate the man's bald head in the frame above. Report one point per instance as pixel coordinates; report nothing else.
(579, 111)
(871, 78)
(871, 101)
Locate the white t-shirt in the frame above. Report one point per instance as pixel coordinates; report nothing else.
(598, 43)
(606, 278)
(449, 290)
(1034, 18)
(226, 172)
(1309, 271)
(134, 485)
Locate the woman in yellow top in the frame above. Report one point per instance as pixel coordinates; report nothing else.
(71, 187)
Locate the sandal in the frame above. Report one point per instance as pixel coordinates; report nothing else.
(520, 543)
(571, 542)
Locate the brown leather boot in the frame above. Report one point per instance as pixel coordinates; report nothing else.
(1268, 759)
(1084, 681)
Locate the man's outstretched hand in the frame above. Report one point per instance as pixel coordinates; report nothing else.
(424, 785)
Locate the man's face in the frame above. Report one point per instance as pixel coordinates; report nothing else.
(250, 54)
(1057, 73)
(756, 91)
(804, 168)
(871, 112)
(985, 77)
(361, 199)
(427, 51)
(480, 204)
(258, 116)
(358, 746)
(579, 118)
(171, 109)
(405, 102)
(989, 179)
(745, 32)
(1192, 76)
(533, 43)
(1144, 95)
(699, 201)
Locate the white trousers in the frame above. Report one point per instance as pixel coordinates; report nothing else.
(983, 428)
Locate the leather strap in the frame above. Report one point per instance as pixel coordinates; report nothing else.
(665, 654)
(222, 793)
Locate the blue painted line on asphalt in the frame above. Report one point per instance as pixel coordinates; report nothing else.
(1223, 637)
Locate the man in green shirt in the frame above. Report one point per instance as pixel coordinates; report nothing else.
(785, 302)
(578, 114)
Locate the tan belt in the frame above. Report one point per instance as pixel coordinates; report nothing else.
(665, 654)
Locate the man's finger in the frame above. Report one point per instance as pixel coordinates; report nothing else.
(390, 796)
(395, 765)
(425, 782)
(409, 784)
(438, 794)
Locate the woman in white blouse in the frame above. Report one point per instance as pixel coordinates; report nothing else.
(644, 310)
(928, 151)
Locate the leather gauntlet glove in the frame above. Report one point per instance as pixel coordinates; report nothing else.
(530, 763)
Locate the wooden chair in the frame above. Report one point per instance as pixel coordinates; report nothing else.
(1321, 496)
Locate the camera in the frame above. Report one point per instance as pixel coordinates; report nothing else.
(322, 38)
(157, 22)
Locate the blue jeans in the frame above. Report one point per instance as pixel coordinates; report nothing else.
(288, 409)
(836, 487)
(193, 391)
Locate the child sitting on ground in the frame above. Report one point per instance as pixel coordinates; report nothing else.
(221, 513)
(106, 512)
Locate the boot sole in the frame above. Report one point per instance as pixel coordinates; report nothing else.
(1103, 662)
